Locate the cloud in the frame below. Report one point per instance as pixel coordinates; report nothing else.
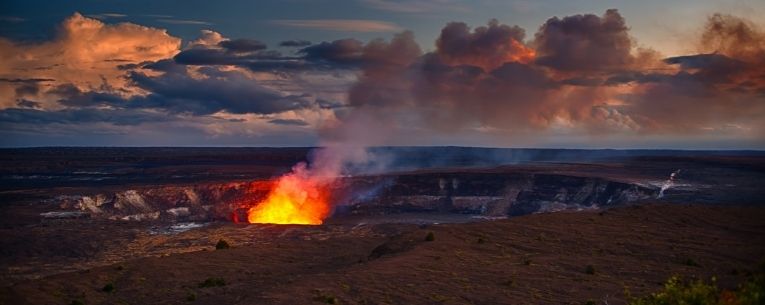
(579, 76)
(585, 43)
(342, 25)
(295, 43)
(184, 21)
(583, 74)
(288, 122)
(343, 51)
(104, 16)
(217, 90)
(82, 53)
(242, 45)
(487, 47)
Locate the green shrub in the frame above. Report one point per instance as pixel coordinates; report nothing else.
(676, 291)
(76, 302)
(212, 282)
(109, 287)
(222, 244)
(328, 299)
(589, 302)
(691, 262)
(191, 297)
(430, 237)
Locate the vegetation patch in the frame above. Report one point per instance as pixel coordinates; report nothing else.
(191, 297)
(325, 298)
(678, 291)
(212, 282)
(222, 244)
(590, 269)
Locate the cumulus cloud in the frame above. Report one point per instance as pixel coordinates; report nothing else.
(577, 76)
(585, 43)
(581, 74)
(123, 77)
(487, 47)
(242, 45)
(83, 53)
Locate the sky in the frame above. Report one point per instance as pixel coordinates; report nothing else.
(687, 74)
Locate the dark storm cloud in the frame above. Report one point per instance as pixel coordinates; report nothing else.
(288, 122)
(343, 52)
(202, 56)
(242, 45)
(584, 43)
(176, 91)
(294, 43)
(705, 61)
(221, 91)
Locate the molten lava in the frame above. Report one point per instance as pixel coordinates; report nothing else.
(297, 198)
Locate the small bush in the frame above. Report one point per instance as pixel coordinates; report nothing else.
(481, 240)
(76, 302)
(589, 302)
(430, 237)
(212, 282)
(691, 262)
(589, 269)
(326, 299)
(222, 244)
(191, 297)
(109, 287)
(676, 291)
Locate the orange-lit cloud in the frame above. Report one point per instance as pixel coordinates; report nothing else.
(85, 52)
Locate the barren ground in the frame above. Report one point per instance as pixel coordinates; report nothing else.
(536, 259)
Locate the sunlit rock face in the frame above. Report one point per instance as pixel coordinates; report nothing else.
(168, 203)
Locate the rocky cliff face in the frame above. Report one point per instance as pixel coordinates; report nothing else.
(171, 203)
(489, 194)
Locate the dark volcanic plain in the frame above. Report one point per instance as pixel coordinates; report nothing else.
(564, 227)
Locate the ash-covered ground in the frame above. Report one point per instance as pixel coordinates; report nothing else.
(511, 225)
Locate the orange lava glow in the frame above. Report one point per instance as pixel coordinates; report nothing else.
(295, 199)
